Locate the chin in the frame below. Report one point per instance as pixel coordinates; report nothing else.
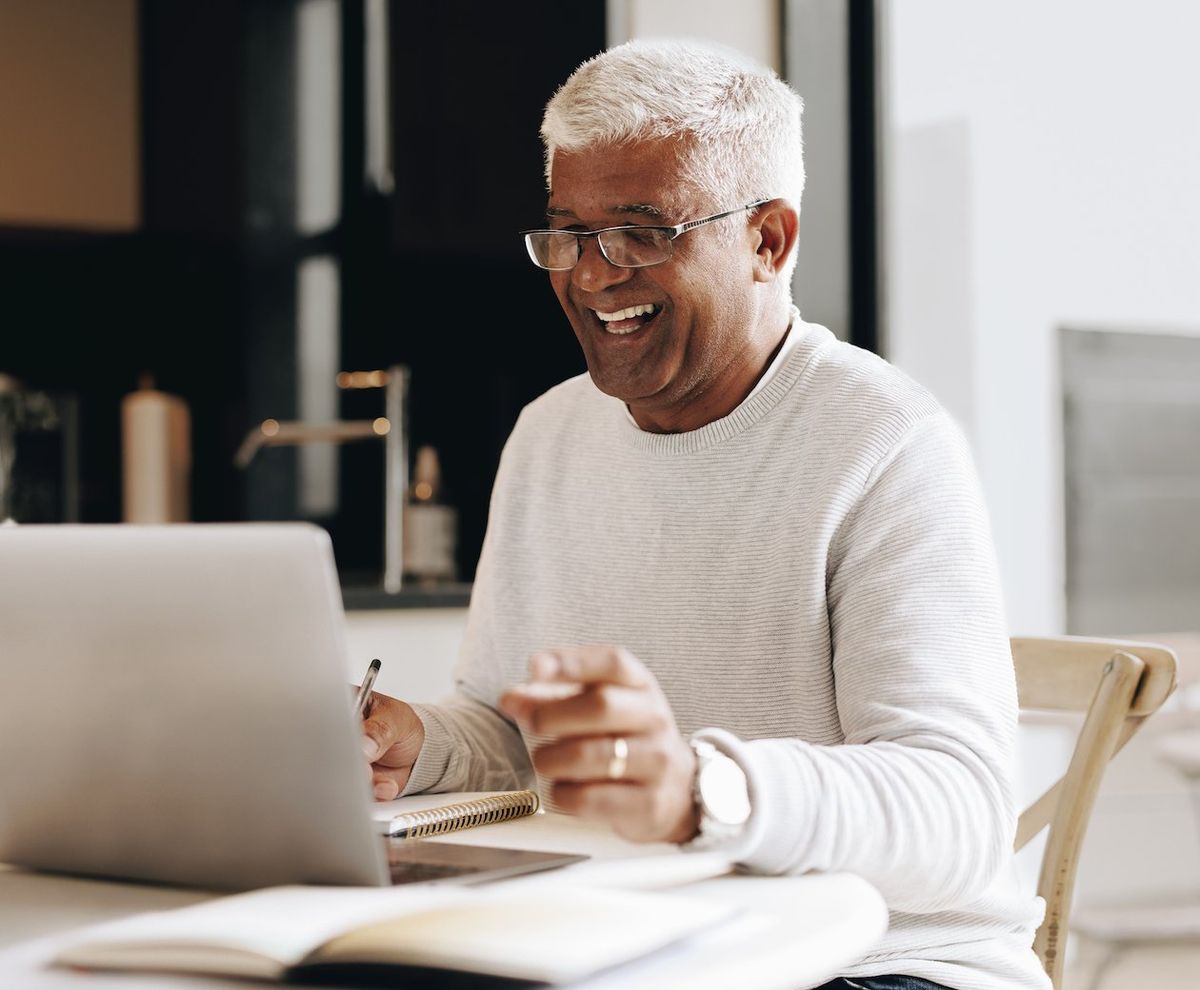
(608, 385)
(621, 387)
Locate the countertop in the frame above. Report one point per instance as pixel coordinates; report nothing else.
(362, 596)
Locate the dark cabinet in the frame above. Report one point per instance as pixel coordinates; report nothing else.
(431, 274)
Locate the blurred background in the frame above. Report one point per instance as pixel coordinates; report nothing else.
(243, 198)
(229, 203)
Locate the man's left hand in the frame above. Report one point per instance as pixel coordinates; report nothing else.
(647, 796)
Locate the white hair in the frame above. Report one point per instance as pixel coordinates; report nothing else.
(740, 121)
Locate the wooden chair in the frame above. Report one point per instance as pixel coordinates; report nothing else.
(1172, 920)
(1117, 685)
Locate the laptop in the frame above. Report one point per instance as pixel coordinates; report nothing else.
(174, 707)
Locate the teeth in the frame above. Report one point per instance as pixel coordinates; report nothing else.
(628, 313)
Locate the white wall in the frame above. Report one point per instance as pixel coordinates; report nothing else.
(751, 26)
(417, 647)
(1041, 171)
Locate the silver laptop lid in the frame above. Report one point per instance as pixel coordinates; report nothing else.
(174, 707)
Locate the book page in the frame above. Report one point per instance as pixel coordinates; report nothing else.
(279, 924)
(554, 934)
(549, 934)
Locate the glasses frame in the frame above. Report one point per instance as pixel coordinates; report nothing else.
(672, 233)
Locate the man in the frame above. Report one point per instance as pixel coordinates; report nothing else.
(736, 546)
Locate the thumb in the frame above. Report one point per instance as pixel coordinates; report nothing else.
(391, 724)
(374, 734)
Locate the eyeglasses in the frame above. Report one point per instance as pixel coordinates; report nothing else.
(629, 246)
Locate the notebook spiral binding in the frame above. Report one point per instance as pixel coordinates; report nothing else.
(465, 814)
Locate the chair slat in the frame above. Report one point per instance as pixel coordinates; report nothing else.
(1118, 685)
(1061, 673)
(1097, 741)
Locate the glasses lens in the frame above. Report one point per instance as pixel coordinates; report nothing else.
(636, 247)
(557, 250)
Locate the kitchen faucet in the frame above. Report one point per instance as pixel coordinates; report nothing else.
(392, 427)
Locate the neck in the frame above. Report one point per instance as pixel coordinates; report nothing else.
(728, 389)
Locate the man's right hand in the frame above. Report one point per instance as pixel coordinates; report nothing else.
(392, 741)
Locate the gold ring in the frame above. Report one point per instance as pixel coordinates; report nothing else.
(620, 757)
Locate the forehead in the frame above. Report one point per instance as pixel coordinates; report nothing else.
(606, 181)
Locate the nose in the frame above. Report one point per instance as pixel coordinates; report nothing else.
(593, 272)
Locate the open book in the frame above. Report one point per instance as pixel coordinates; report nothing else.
(546, 933)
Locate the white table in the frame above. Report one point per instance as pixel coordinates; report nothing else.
(816, 924)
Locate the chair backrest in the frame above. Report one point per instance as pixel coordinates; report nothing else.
(1117, 685)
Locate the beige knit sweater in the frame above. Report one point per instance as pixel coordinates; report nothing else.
(812, 581)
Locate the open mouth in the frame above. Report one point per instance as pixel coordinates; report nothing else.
(627, 320)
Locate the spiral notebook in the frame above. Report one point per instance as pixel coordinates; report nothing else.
(415, 818)
(430, 817)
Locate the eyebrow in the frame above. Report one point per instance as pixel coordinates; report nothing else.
(641, 209)
(637, 209)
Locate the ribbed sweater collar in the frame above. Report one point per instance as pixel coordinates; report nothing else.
(740, 419)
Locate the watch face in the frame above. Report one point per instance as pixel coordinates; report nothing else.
(722, 786)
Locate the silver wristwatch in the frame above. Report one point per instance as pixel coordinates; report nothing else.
(721, 795)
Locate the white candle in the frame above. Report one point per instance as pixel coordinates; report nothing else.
(157, 457)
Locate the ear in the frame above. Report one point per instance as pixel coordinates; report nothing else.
(774, 228)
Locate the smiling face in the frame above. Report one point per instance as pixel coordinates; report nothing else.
(682, 343)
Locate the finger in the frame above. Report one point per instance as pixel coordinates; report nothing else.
(388, 722)
(519, 700)
(602, 709)
(598, 799)
(595, 758)
(604, 800)
(378, 733)
(398, 757)
(590, 664)
(378, 737)
(386, 790)
(640, 812)
(635, 811)
(387, 784)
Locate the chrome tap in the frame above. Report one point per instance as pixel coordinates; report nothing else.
(391, 427)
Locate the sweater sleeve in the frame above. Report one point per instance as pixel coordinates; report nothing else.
(468, 746)
(918, 800)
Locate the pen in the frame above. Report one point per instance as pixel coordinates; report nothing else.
(364, 691)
